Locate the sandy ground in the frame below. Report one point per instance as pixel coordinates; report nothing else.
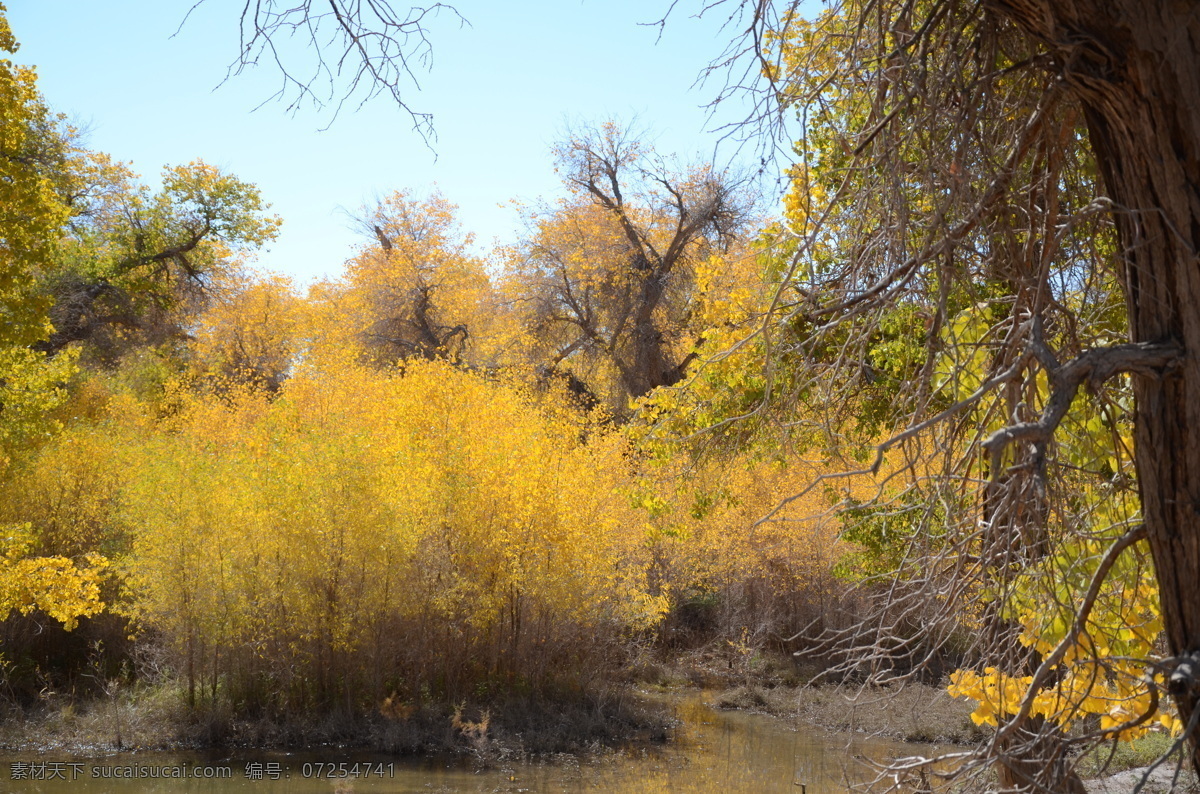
(1160, 781)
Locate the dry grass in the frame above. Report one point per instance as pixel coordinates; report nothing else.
(157, 718)
(914, 713)
(778, 684)
(145, 718)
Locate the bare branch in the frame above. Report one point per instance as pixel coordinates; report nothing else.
(351, 51)
(1093, 367)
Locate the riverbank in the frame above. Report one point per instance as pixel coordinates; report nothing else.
(623, 722)
(776, 684)
(922, 713)
(156, 719)
(734, 752)
(913, 712)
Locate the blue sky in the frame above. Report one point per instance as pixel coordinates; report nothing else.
(501, 91)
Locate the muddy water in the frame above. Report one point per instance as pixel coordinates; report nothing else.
(726, 752)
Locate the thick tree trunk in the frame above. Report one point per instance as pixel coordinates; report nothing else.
(648, 365)
(1135, 67)
(1035, 760)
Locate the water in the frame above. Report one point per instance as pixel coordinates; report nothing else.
(727, 752)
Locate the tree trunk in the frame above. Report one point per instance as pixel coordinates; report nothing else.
(1035, 760)
(1135, 67)
(648, 366)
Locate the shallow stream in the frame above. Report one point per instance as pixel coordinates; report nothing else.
(717, 751)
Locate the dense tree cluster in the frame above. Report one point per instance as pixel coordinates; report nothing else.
(935, 415)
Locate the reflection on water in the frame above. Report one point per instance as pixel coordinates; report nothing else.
(728, 752)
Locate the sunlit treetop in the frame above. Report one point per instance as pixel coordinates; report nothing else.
(31, 214)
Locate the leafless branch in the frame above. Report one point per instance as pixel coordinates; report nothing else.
(330, 52)
(1093, 368)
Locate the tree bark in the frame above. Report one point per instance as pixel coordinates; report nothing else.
(648, 362)
(1134, 65)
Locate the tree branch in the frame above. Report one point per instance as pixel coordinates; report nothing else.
(1093, 367)
(1042, 674)
(372, 47)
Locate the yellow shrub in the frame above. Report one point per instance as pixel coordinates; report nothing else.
(754, 538)
(368, 531)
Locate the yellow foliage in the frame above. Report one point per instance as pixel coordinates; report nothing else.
(30, 389)
(31, 219)
(607, 279)
(251, 334)
(416, 292)
(360, 511)
(31, 214)
(752, 530)
(69, 493)
(1101, 673)
(55, 585)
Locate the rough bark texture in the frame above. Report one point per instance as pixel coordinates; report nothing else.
(1135, 67)
(1035, 759)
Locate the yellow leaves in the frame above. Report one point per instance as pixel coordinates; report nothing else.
(707, 526)
(31, 215)
(731, 292)
(8, 42)
(252, 334)
(1171, 723)
(608, 278)
(68, 493)
(31, 219)
(804, 201)
(30, 388)
(998, 695)
(416, 292)
(358, 500)
(55, 585)
(1110, 691)
(1101, 674)
(964, 365)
